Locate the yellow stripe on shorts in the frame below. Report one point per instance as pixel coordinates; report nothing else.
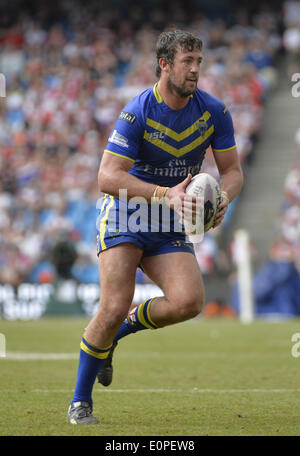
(103, 222)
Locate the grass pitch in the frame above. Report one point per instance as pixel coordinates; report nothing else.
(203, 377)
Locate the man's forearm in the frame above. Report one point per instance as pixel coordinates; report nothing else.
(232, 182)
(122, 180)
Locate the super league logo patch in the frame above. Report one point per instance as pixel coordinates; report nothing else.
(128, 117)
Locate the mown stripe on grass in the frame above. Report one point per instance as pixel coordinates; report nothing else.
(166, 390)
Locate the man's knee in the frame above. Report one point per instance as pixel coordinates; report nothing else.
(189, 306)
(112, 312)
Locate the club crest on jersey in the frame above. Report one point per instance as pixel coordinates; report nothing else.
(202, 127)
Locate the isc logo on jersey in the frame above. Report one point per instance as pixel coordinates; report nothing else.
(157, 135)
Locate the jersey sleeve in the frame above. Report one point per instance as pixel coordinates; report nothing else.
(127, 134)
(223, 138)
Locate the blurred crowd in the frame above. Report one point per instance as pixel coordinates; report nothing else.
(70, 68)
(291, 35)
(290, 211)
(276, 285)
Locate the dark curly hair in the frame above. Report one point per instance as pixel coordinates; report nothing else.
(168, 42)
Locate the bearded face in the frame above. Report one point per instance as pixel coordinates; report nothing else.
(184, 72)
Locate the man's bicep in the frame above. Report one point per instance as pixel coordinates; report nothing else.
(223, 138)
(113, 172)
(125, 139)
(112, 162)
(227, 160)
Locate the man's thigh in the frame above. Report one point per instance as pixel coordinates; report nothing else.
(177, 274)
(117, 270)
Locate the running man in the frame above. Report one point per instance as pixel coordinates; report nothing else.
(158, 143)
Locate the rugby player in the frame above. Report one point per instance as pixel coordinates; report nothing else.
(158, 143)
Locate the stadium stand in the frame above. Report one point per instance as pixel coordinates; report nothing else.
(69, 71)
(275, 227)
(276, 285)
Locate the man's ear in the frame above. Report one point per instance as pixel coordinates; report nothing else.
(164, 64)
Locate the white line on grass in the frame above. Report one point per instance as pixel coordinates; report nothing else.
(166, 390)
(23, 356)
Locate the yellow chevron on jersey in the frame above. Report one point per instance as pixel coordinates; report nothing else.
(173, 134)
(178, 152)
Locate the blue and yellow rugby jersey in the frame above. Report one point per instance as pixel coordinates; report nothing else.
(165, 145)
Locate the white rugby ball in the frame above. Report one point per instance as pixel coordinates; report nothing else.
(204, 186)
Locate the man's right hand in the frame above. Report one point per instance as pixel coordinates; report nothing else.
(184, 204)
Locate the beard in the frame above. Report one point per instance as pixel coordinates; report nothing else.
(180, 90)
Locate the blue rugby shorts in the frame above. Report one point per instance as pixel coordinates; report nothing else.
(155, 231)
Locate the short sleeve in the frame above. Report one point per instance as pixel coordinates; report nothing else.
(127, 134)
(223, 138)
